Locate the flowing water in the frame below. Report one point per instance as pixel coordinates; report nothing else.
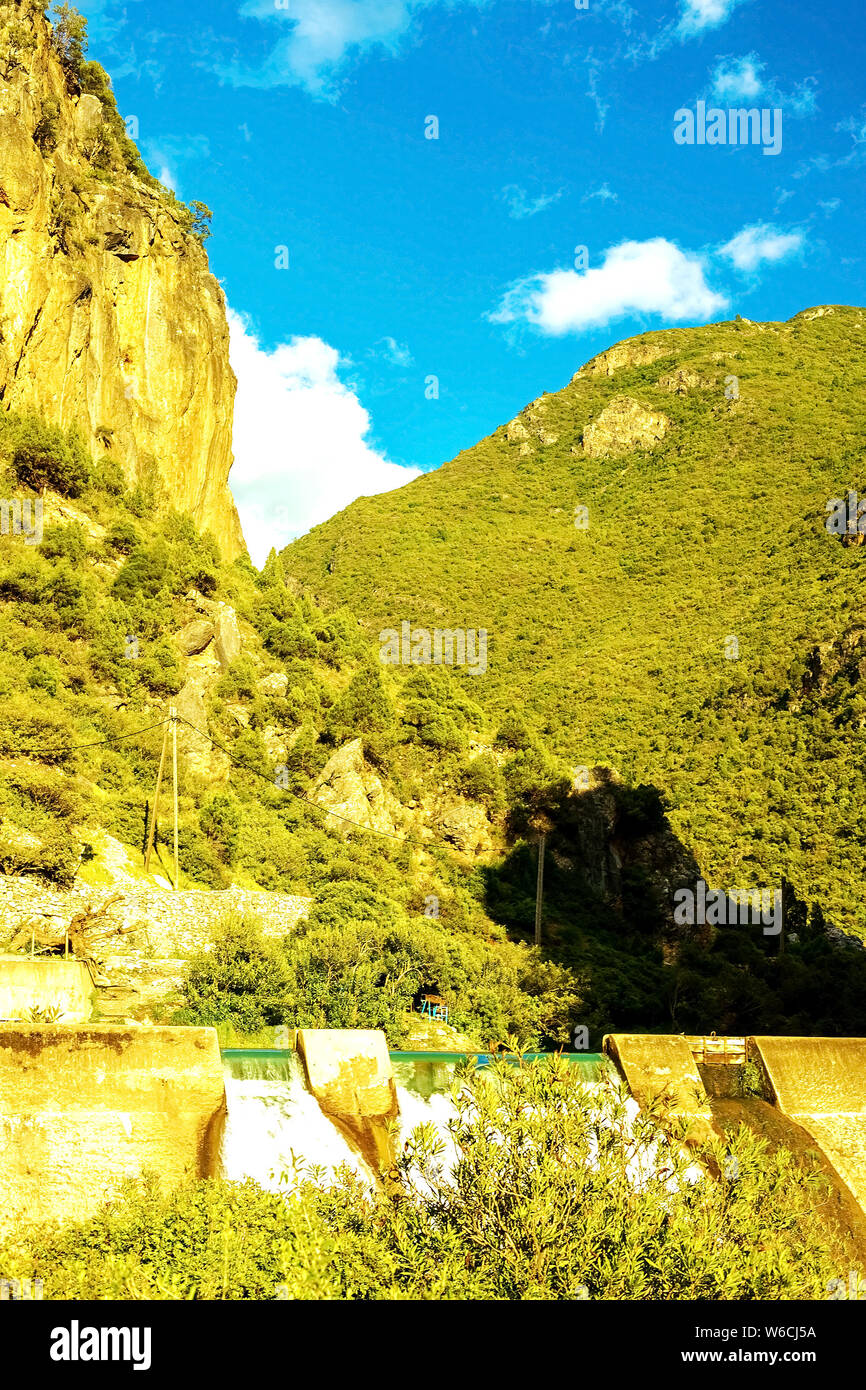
(275, 1127)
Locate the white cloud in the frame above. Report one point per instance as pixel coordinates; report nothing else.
(743, 79)
(637, 278)
(324, 34)
(698, 15)
(520, 204)
(855, 126)
(300, 439)
(593, 67)
(604, 194)
(397, 354)
(168, 154)
(761, 242)
(738, 79)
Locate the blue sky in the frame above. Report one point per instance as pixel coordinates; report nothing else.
(304, 125)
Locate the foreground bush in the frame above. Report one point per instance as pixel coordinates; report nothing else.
(557, 1192)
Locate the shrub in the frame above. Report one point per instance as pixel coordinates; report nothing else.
(220, 821)
(556, 1193)
(483, 781)
(45, 134)
(243, 980)
(45, 455)
(66, 542)
(145, 572)
(364, 707)
(123, 537)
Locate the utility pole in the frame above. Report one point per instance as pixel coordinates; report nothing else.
(173, 715)
(539, 886)
(156, 799)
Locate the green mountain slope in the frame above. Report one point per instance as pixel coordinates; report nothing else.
(614, 641)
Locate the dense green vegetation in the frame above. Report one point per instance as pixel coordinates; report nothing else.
(360, 961)
(458, 919)
(610, 642)
(556, 1195)
(121, 569)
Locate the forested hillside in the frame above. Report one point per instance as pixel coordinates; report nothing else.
(696, 627)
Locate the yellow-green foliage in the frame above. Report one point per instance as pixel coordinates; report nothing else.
(556, 1195)
(610, 641)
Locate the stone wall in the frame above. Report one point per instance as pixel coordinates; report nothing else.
(163, 923)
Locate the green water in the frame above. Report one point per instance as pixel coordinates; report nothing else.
(431, 1073)
(423, 1073)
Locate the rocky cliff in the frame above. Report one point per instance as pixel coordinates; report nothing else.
(109, 316)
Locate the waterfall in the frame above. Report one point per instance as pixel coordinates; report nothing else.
(275, 1126)
(275, 1129)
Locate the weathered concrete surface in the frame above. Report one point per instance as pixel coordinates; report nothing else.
(837, 1207)
(821, 1083)
(84, 1106)
(45, 984)
(662, 1066)
(349, 1073)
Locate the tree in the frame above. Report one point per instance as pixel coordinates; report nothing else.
(44, 455)
(364, 707)
(69, 37)
(201, 220)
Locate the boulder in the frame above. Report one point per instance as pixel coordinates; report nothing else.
(634, 352)
(89, 118)
(349, 1073)
(465, 824)
(228, 637)
(277, 683)
(516, 430)
(347, 786)
(239, 713)
(680, 381)
(193, 638)
(199, 755)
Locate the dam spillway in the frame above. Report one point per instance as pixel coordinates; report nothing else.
(83, 1107)
(816, 1089)
(821, 1084)
(276, 1126)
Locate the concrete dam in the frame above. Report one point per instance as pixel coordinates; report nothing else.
(812, 1101)
(84, 1106)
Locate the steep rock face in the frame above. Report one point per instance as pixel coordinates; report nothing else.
(632, 352)
(109, 316)
(624, 425)
(350, 788)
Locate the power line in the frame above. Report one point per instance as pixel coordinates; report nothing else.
(74, 747)
(235, 762)
(256, 772)
(245, 767)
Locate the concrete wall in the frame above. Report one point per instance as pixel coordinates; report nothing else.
(821, 1083)
(45, 983)
(818, 1089)
(349, 1072)
(661, 1066)
(82, 1106)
